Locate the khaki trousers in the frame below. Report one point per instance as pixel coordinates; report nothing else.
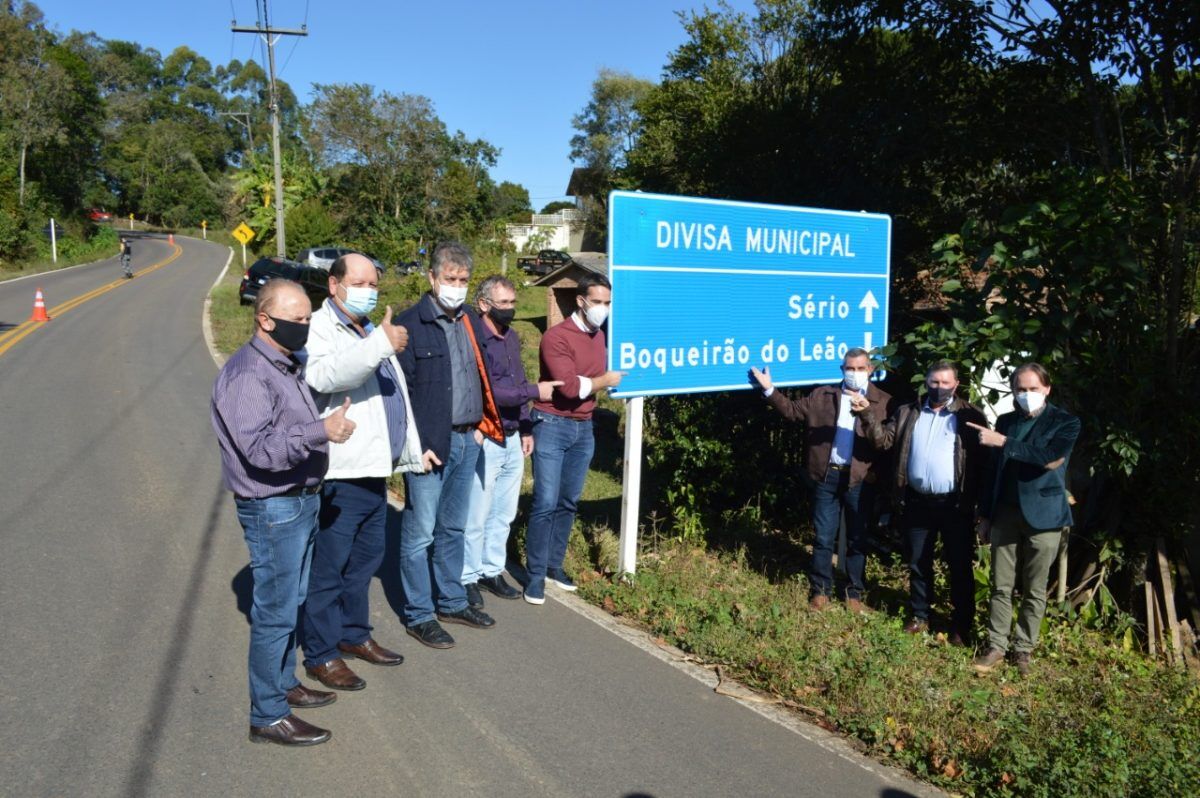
(1037, 549)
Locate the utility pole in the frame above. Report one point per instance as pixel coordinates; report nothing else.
(270, 36)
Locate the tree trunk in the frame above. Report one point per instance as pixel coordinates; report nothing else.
(21, 190)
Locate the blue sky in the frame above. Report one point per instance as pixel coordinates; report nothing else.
(513, 73)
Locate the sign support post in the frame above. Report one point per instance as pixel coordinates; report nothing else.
(53, 242)
(632, 494)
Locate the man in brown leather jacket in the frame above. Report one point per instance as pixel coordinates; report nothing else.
(937, 474)
(842, 467)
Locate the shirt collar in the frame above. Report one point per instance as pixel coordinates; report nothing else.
(579, 322)
(285, 363)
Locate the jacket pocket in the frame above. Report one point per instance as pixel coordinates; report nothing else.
(428, 364)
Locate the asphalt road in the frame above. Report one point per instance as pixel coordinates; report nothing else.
(124, 598)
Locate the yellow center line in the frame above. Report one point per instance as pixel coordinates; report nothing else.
(11, 338)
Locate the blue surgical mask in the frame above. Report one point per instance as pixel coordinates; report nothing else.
(360, 300)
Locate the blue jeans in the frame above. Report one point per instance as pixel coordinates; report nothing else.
(279, 534)
(829, 498)
(346, 555)
(562, 452)
(431, 532)
(494, 493)
(923, 521)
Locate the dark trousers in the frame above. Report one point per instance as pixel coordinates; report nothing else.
(348, 551)
(830, 498)
(924, 520)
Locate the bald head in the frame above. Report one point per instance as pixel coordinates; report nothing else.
(351, 265)
(275, 293)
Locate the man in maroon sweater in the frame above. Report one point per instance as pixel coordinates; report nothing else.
(574, 353)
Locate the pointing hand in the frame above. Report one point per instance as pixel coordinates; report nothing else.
(546, 389)
(763, 378)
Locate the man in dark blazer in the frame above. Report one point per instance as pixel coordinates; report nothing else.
(1024, 508)
(842, 468)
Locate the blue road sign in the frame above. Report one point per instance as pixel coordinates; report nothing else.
(705, 289)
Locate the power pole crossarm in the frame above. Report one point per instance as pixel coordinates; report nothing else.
(270, 36)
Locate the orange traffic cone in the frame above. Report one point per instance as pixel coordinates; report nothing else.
(171, 239)
(39, 307)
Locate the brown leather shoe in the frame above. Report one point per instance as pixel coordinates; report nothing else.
(289, 731)
(336, 674)
(916, 626)
(372, 652)
(988, 660)
(818, 603)
(301, 697)
(1021, 660)
(857, 606)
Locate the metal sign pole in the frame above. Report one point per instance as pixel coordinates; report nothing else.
(53, 242)
(632, 494)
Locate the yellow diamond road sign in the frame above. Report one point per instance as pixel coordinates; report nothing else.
(243, 233)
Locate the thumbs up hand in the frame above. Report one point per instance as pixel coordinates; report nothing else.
(397, 334)
(338, 428)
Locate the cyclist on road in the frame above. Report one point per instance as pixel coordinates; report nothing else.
(126, 253)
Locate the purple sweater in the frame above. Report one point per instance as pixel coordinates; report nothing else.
(512, 391)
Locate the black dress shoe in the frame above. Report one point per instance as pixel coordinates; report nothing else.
(468, 616)
(289, 731)
(497, 585)
(474, 598)
(432, 634)
(301, 697)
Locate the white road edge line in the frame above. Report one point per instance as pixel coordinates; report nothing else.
(206, 320)
(792, 721)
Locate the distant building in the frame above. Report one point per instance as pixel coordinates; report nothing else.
(562, 231)
(560, 284)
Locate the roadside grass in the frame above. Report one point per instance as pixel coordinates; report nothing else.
(72, 251)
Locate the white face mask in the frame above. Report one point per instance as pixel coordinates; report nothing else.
(1031, 401)
(856, 380)
(596, 314)
(452, 296)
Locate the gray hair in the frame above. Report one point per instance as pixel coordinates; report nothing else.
(490, 284)
(857, 351)
(265, 301)
(450, 253)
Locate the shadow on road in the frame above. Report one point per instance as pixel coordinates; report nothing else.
(159, 709)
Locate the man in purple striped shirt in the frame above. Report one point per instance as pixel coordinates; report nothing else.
(274, 452)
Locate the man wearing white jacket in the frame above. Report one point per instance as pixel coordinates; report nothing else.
(350, 358)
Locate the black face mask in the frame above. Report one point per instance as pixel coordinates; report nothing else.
(291, 335)
(502, 316)
(939, 396)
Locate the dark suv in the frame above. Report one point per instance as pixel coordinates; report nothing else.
(315, 281)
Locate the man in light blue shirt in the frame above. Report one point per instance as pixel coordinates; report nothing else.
(937, 483)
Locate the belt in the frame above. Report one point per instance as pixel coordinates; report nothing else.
(303, 490)
(931, 498)
(839, 467)
(463, 428)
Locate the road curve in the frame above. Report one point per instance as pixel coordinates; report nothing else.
(124, 589)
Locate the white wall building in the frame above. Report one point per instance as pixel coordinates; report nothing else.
(562, 230)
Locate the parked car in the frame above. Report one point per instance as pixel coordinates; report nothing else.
(315, 281)
(546, 261)
(98, 215)
(323, 257)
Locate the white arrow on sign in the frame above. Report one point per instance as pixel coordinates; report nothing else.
(867, 341)
(870, 305)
